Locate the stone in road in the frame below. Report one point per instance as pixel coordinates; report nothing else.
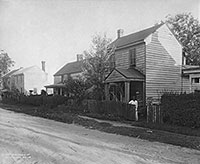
(32, 140)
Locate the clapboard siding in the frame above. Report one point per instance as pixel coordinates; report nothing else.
(195, 87)
(162, 72)
(170, 43)
(115, 76)
(186, 84)
(122, 57)
(140, 58)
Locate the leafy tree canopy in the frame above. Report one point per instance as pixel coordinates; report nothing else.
(187, 30)
(76, 88)
(95, 63)
(5, 63)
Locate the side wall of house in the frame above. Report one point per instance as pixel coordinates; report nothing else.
(57, 79)
(186, 84)
(122, 58)
(35, 79)
(19, 82)
(193, 85)
(163, 63)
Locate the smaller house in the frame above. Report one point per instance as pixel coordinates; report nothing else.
(26, 80)
(72, 69)
(192, 74)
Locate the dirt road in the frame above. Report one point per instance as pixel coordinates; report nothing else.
(32, 140)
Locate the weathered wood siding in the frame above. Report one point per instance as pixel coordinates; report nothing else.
(194, 86)
(115, 77)
(122, 57)
(57, 79)
(162, 70)
(19, 82)
(186, 84)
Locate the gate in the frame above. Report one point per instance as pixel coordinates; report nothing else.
(154, 113)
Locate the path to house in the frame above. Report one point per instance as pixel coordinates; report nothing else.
(32, 140)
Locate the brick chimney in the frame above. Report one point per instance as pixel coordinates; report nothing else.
(79, 57)
(120, 33)
(43, 65)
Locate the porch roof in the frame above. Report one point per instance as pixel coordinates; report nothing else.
(119, 74)
(59, 85)
(190, 69)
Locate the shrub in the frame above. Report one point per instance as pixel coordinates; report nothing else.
(35, 100)
(181, 109)
(112, 109)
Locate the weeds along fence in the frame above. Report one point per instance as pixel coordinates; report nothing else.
(35, 100)
(181, 109)
(116, 109)
(175, 109)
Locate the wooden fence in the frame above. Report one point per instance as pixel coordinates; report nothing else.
(154, 112)
(126, 111)
(117, 109)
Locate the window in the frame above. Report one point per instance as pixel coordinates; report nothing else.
(16, 79)
(132, 54)
(195, 80)
(112, 61)
(62, 78)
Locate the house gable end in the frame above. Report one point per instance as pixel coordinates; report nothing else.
(115, 76)
(171, 44)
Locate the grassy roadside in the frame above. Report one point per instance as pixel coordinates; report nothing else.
(152, 133)
(162, 127)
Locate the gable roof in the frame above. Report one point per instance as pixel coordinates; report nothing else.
(22, 70)
(135, 37)
(130, 74)
(10, 73)
(73, 67)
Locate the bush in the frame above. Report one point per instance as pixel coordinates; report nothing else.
(35, 100)
(181, 109)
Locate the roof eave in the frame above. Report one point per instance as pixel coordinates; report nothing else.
(131, 44)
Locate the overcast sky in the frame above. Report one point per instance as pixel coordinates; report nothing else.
(56, 30)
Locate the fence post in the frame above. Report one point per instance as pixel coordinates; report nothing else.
(148, 109)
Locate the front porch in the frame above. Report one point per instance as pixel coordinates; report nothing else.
(124, 84)
(58, 89)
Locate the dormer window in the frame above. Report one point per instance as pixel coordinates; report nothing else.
(132, 54)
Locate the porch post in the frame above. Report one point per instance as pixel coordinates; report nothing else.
(190, 81)
(60, 91)
(127, 91)
(144, 93)
(107, 91)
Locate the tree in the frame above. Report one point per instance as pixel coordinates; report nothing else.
(187, 30)
(76, 88)
(96, 64)
(5, 63)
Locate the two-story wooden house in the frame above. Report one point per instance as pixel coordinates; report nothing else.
(147, 63)
(25, 80)
(72, 69)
